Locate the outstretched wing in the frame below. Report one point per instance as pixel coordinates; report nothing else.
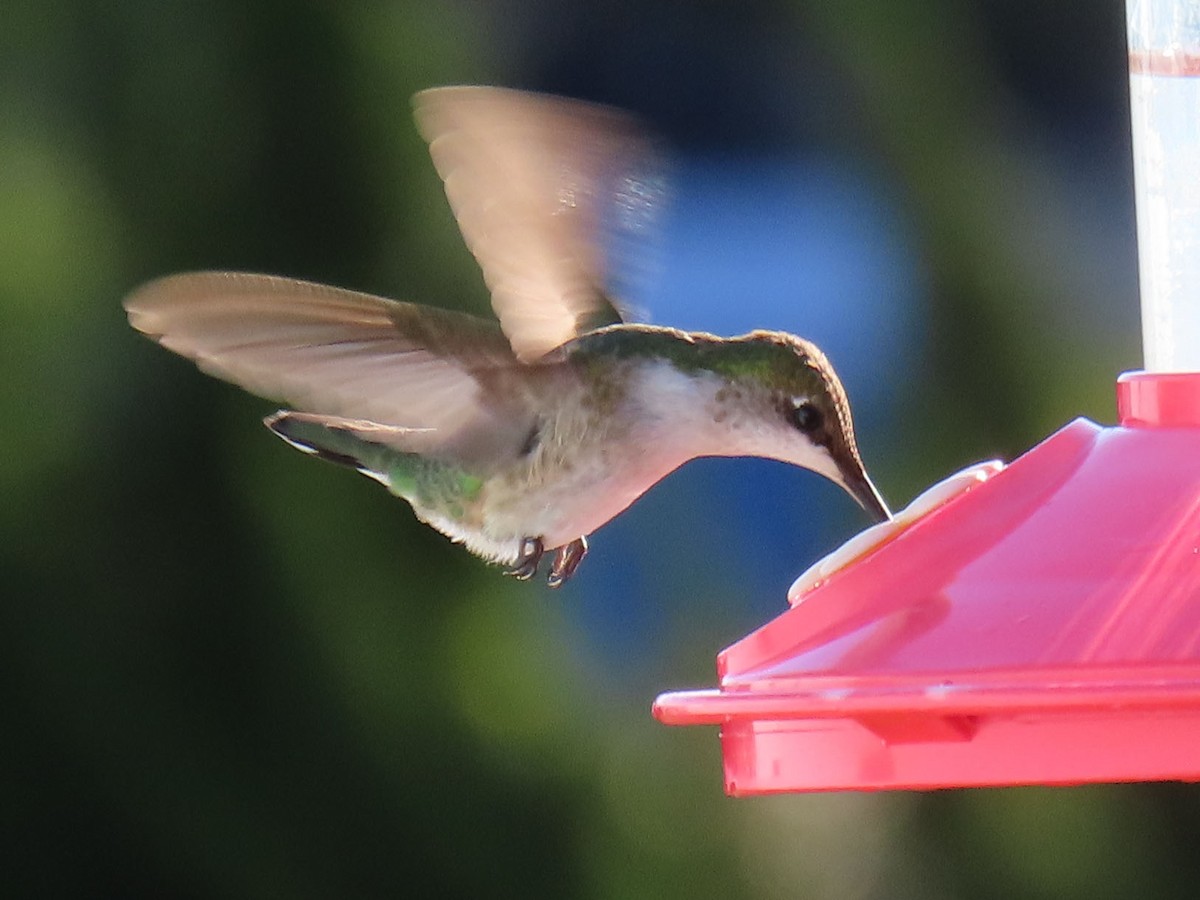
(530, 178)
(447, 382)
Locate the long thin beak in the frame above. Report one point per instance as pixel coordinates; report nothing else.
(861, 489)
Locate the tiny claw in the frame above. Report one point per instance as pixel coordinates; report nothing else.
(566, 561)
(527, 563)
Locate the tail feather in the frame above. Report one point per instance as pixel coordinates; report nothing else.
(441, 493)
(347, 442)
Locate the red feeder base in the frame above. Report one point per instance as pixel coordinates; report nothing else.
(1042, 628)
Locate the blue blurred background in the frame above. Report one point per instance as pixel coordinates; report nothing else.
(228, 670)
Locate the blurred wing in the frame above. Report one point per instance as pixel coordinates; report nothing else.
(445, 380)
(530, 179)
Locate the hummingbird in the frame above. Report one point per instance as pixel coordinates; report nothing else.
(521, 436)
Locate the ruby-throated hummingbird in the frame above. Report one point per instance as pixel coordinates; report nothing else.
(520, 437)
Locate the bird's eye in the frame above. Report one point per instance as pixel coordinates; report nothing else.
(806, 417)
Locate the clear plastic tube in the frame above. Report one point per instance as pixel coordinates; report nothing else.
(1164, 90)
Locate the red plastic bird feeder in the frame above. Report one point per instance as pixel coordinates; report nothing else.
(1041, 623)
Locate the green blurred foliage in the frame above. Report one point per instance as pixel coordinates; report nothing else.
(228, 671)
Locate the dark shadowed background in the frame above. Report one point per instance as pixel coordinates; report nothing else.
(227, 670)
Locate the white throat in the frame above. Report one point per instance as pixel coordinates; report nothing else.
(703, 415)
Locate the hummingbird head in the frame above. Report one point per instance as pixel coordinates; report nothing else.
(766, 393)
(780, 398)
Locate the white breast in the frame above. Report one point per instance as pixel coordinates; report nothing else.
(662, 424)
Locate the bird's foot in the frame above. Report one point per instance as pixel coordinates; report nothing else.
(527, 563)
(566, 561)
